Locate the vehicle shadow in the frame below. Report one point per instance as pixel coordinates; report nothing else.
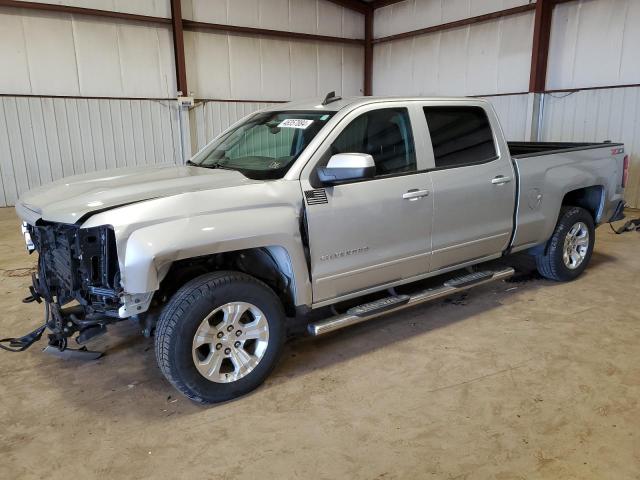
(599, 258)
(307, 354)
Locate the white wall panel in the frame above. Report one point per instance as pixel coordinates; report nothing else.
(274, 14)
(13, 54)
(330, 69)
(594, 43)
(512, 113)
(44, 139)
(485, 58)
(152, 8)
(244, 12)
(415, 14)
(514, 59)
(275, 71)
(329, 19)
(51, 54)
(48, 53)
(223, 66)
(147, 65)
(304, 62)
(245, 66)
(207, 62)
(595, 116)
(100, 75)
(352, 71)
(305, 16)
(352, 24)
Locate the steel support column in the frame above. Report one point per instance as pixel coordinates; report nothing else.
(540, 49)
(368, 52)
(178, 46)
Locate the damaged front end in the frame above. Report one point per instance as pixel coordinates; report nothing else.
(78, 278)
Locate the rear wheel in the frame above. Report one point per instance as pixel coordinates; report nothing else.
(220, 336)
(570, 247)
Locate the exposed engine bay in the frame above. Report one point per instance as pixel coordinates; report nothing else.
(77, 264)
(78, 278)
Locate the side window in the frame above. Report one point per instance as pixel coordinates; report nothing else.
(384, 134)
(460, 136)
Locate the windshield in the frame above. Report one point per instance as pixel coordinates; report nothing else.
(265, 145)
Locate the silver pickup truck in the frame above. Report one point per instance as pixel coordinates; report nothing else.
(320, 213)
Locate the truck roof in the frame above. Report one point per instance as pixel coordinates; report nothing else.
(316, 102)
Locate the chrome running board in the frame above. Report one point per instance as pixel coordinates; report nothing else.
(374, 309)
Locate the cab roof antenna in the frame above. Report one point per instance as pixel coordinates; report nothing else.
(331, 97)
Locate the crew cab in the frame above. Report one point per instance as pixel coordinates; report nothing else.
(320, 213)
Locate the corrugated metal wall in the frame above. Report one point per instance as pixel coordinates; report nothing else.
(594, 43)
(44, 139)
(225, 66)
(305, 16)
(268, 69)
(481, 59)
(154, 8)
(48, 55)
(597, 115)
(44, 53)
(512, 112)
(415, 14)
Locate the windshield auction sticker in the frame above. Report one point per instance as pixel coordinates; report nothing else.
(295, 123)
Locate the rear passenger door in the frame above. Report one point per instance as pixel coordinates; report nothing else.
(473, 182)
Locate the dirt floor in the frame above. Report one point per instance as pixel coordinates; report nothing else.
(512, 381)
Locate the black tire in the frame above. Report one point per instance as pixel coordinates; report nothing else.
(550, 263)
(186, 311)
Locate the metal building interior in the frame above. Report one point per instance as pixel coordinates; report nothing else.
(512, 380)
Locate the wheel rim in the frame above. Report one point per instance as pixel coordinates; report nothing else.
(576, 246)
(230, 342)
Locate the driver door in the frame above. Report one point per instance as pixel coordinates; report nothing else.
(371, 233)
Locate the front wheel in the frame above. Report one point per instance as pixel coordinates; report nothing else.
(570, 247)
(220, 336)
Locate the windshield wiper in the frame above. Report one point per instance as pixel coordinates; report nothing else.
(192, 164)
(212, 166)
(223, 167)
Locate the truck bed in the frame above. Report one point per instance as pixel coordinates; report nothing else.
(559, 168)
(534, 149)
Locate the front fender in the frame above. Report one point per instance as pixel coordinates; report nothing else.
(150, 251)
(151, 235)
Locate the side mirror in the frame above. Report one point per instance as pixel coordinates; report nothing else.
(346, 167)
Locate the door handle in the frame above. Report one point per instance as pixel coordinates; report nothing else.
(415, 194)
(500, 180)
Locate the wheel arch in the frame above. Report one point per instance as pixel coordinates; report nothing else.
(590, 198)
(271, 264)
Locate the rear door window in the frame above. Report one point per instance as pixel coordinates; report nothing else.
(460, 136)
